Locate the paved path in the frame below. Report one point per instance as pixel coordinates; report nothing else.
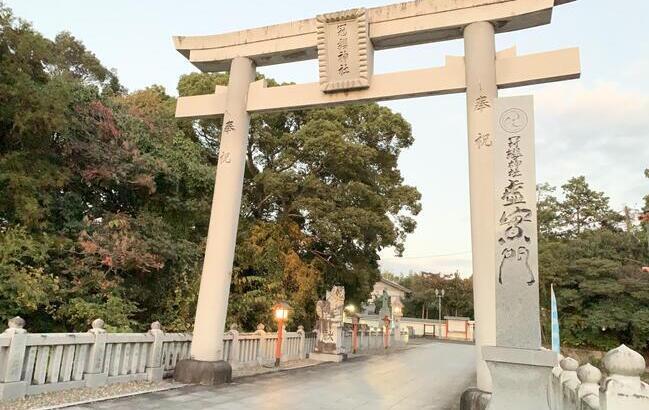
(429, 376)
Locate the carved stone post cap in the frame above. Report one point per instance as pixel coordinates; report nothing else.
(235, 327)
(16, 323)
(261, 326)
(156, 326)
(300, 328)
(624, 361)
(569, 364)
(589, 374)
(97, 326)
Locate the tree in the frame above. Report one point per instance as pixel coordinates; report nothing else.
(548, 210)
(583, 208)
(595, 267)
(105, 196)
(457, 301)
(323, 190)
(646, 197)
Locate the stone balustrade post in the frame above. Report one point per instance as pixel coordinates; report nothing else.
(555, 385)
(154, 365)
(11, 386)
(588, 391)
(623, 389)
(568, 381)
(261, 346)
(94, 374)
(233, 357)
(302, 345)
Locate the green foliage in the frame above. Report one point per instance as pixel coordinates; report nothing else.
(581, 209)
(105, 197)
(422, 302)
(595, 264)
(25, 287)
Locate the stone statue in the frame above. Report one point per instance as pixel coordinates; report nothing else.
(329, 324)
(332, 307)
(384, 300)
(385, 306)
(336, 299)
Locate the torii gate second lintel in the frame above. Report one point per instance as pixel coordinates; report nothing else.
(511, 71)
(344, 43)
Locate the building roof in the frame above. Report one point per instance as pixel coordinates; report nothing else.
(395, 285)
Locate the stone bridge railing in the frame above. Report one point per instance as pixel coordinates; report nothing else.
(33, 363)
(575, 387)
(372, 340)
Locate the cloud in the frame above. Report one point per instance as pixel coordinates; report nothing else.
(601, 131)
(444, 264)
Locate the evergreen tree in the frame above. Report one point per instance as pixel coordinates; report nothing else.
(105, 196)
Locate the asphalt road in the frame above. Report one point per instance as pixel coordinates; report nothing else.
(428, 376)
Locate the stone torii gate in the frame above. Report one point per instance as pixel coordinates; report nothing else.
(344, 43)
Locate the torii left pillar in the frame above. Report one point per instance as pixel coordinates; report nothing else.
(206, 365)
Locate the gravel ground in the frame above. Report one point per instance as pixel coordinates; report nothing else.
(49, 400)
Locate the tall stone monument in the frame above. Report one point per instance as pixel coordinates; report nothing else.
(520, 369)
(329, 345)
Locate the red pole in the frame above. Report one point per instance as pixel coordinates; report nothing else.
(278, 345)
(355, 338)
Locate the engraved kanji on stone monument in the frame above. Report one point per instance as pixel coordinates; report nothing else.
(344, 50)
(517, 293)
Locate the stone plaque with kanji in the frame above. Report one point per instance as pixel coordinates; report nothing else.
(516, 247)
(344, 50)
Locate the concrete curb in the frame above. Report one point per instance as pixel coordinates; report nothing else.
(117, 396)
(276, 370)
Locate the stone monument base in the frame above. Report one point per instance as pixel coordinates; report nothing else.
(192, 371)
(520, 377)
(328, 357)
(474, 399)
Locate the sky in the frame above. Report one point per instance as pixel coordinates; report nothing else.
(596, 126)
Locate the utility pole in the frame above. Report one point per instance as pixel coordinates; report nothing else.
(644, 219)
(439, 295)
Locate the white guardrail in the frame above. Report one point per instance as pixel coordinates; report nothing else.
(575, 387)
(33, 363)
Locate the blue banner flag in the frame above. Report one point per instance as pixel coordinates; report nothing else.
(554, 314)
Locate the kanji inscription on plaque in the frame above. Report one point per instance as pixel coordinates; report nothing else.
(344, 50)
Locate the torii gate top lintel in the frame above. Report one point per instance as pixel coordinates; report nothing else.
(396, 25)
